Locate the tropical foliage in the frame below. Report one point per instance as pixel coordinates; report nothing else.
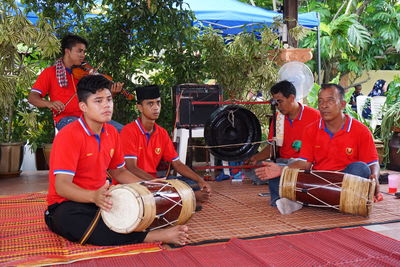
(356, 35)
(20, 40)
(136, 42)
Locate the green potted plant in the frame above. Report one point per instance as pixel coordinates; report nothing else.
(242, 65)
(19, 39)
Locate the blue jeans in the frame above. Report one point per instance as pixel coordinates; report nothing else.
(358, 168)
(67, 120)
(273, 183)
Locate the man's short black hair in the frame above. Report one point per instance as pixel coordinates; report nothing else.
(339, 88)
(286, 88)
(90, 84)
(70, 41)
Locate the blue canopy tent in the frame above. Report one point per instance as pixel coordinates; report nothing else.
(232, 16)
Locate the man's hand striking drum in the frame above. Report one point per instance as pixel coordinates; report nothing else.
(269, 171)
(102, 197)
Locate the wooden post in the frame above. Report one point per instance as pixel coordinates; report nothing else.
(290, 10)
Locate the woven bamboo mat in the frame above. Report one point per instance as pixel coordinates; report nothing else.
(26, 240)
(337, 247)
(236, 211)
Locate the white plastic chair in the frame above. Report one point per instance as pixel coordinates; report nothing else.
(360, 100)
(377, 103)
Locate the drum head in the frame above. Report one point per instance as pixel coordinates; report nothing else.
(126, 212)
(235, 126)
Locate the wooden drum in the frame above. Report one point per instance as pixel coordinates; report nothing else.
(149, 205)
(344, 192)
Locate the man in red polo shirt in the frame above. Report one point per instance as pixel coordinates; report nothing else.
(295, 117)
(336, 142)
(80, 157)
(145, 143)
(59, 84)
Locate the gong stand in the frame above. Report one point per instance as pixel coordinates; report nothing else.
(273, 119)
(192, 103)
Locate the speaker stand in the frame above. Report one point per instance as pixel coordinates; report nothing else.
(181, 137)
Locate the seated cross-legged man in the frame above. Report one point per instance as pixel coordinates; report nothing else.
(336, 142)
(81, 155)
(293, 117)
(145, 144)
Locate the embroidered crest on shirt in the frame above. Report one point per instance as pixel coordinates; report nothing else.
(296, 145)
(349, 151)
(157, 150)
(111, 152)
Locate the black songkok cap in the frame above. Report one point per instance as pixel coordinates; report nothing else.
(147, 92)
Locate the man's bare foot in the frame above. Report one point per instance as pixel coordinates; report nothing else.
(177, 235)
(202, 196)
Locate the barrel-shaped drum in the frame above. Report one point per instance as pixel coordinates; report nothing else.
(149, 205)
(344, 192)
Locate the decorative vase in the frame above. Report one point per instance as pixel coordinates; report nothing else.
(42, 157)
(46, 152)
(11, 155)
(394, 155)
(285, 55)
(380, 149)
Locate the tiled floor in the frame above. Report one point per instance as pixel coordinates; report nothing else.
(34, 181)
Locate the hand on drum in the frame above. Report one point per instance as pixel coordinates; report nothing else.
(102, 197)
(377, 194)
(271, 170)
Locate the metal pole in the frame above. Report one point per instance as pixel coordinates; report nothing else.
(190, 143)
(319, 53)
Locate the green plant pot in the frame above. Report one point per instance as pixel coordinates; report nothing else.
(40, 160)
(11, 155)
(46, 152)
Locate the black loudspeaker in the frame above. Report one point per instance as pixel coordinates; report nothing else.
(184, 94)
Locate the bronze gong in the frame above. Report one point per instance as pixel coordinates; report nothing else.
(231, 131)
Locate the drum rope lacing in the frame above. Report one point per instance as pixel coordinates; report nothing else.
(322, 186)
(233, 145)
(161, 215)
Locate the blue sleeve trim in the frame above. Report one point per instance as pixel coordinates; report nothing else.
(130, 157)
(372, 163)
(36, 90)
(121, 165)
(64, 172)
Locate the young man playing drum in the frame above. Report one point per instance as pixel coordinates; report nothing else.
(295, 117)
(336, 142)
(145, 143)
(81, 155)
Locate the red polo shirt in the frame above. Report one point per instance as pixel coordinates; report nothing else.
(329, 152)
(293, 130)
(77, 151)
(147, 149)
(47, 84)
